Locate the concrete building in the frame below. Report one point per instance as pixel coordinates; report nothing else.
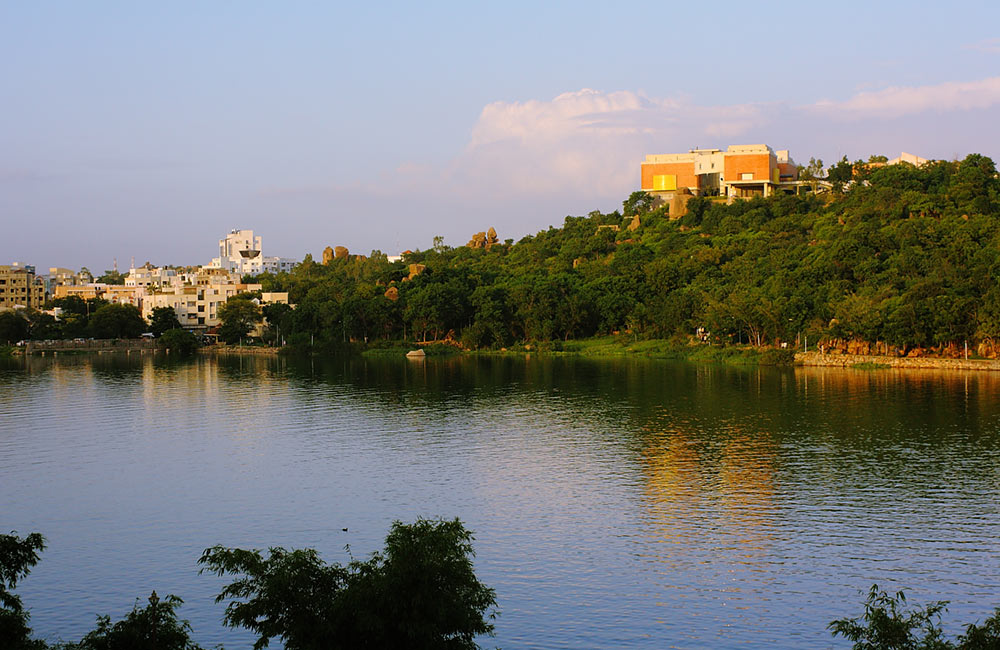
(241, 252)
(196, 306)
(741, 171)
(148, 276)
(20, 288)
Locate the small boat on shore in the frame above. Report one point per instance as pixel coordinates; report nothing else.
(416, 354)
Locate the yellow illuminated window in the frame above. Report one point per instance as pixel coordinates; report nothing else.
(665, 182)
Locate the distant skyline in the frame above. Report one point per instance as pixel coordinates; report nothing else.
(153, 129)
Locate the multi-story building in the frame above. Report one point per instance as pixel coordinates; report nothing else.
(196, 306)
(116, 293)
(241, 252)
(20, 288)
(148, 276)
(740, 171)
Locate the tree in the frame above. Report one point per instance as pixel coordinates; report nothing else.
(117, 322)
(13, 327)
(885, 625)
(180, 341)
(154, 627)
(238, 316)
(420, 592)
(17, 556)
(163, 319)
(112, 277)
(637, 203)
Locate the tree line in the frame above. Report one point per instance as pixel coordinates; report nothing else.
(896, 255)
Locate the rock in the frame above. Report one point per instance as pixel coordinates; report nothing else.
(679, 202)
(327, 255)
(478, 240)
(392, 293)
(634, 225)
(340, 252)
(415, 270)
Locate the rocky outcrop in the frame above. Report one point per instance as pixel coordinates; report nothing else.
(415, 270)
(327, 255)
(679, 202)
(339, 252)
(484, 240)
(392, 293)
(634, 224)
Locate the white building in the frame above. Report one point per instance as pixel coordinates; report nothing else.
(241, 252)
(150, 277)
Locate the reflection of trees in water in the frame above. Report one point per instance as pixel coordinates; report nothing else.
(711, 499)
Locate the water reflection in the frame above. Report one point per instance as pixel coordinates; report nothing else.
(617, 504)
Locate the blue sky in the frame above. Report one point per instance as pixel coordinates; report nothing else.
(152, 129)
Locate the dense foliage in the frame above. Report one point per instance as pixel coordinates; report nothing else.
(17, 556)
(421, 592)
(153, 627)
(901, 255)
(886, 625)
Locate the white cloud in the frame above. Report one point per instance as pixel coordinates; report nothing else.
(897, 101)
(988, 46)
(587, 141)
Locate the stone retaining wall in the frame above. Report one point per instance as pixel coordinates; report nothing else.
(848, 360)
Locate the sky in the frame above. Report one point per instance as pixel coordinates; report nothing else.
(149, 130)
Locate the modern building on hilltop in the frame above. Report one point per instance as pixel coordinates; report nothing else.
(20, 288)
(742, 171)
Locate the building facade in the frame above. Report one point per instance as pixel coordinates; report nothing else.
(20, 288)
(241, 252)
(196, 306)
(741, 171)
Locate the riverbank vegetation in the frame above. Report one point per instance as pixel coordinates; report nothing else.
(900, 260)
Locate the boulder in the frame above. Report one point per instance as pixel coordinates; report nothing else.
(327, 255)
(339, 252)
(415, 270)
(392, 293)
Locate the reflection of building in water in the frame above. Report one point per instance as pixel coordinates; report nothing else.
(711, 494)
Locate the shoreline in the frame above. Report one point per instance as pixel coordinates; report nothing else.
(870, 362)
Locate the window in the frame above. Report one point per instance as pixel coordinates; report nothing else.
(746, 176)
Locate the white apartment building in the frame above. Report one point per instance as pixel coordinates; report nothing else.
(196, 306)
(149, 277)
(242, 252)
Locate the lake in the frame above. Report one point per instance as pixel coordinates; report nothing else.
(615, 503)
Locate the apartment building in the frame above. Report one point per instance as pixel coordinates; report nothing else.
(242, 252)
(196, 306)
(114, 293)
(148, 276)
(20, 288)
(741, 171)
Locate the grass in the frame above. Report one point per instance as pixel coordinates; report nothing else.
(399, 349)
(868, 365)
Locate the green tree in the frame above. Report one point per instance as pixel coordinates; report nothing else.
(117, 322)
(180, 341)
(153, 627)
(420, 592)
(238, 316)
(13, 327)
(112, 277)
(163, 319)
(887, 625)
(17, 556)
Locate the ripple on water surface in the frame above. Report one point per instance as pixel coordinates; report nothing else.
(615, 504)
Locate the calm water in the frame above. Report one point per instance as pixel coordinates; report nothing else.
(615, 504)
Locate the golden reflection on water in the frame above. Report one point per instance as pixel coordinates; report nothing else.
(722, 496)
